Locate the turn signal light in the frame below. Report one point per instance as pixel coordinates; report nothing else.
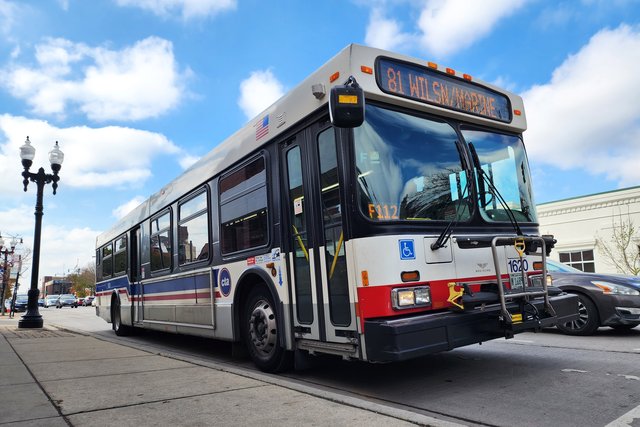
(410, 276)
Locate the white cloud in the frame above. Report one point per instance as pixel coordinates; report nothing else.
(187, 161)
(443, 27)
(137, 82)
(188, 9)
(384, 33)
(94, 157)
(259, 91)
(8, 11)
(61, 248)
(127, 207)
(448, 26)
(588, 116)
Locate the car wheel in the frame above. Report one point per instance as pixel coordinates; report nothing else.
(116, 319)
(588, 320)
(260, 331)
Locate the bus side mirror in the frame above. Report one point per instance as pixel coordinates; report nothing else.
(346, 105)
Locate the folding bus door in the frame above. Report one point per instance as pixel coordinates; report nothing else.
(322, 301)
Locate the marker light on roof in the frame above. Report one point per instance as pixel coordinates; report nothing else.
(432, 65)
(451, 71)
(467, 77)
(517, 112)
(334, 77)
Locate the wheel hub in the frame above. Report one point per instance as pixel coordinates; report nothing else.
(262, 327)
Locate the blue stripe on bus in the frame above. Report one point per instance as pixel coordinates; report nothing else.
(192, 283)
(115, 283)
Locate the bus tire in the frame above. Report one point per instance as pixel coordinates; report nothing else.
(116, 319)
(260, 329)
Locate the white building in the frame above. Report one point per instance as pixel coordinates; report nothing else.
(577, 222)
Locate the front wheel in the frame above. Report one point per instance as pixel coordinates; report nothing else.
(588, 319)
(260, 333)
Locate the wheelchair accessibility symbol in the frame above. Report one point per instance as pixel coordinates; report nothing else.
(407, 249)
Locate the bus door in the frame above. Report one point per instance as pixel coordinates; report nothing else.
(134, 268)
(323, 304)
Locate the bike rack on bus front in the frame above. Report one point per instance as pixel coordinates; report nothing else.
(515, 240)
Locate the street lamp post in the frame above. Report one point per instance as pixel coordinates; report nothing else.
(32, 318)
(6, 251)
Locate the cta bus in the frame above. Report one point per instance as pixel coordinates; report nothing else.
(382, 210)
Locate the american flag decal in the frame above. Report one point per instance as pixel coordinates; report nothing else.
(262, 127)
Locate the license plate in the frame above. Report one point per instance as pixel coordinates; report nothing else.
(517, 284)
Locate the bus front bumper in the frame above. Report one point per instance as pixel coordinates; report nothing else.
(389, 340)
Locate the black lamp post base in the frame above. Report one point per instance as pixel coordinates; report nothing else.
(30, 321)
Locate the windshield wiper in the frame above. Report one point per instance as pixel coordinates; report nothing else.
(494, 190)
(448, 230)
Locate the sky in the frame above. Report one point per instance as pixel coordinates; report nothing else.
(135, 91)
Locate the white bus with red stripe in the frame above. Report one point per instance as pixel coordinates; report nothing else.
(367, 214)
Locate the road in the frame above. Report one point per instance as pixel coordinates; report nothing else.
(544, 379)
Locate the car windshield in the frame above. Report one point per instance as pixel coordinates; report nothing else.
(409, 168)
(558, 267)
(504, 164)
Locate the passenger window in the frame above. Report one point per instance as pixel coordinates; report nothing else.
(120, 257)
(161, 242)
(107, 260)
(193, 230)
(243, 208)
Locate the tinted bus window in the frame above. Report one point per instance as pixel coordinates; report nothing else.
(161, 242)
(193, 230)
(107, 260)
(243, 208)
(120, 257)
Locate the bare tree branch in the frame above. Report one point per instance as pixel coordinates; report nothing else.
(622, 251)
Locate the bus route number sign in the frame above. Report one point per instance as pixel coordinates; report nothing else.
(433, 87)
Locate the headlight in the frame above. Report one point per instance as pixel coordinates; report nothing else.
(402, 298)
(615, 289)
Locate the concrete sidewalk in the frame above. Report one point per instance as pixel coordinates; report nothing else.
(53, 377)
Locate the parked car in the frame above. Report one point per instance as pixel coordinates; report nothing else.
(603, 299)
(67, 300)
(88, 300)
(21, 303)
(50, 300)
(79, 301)
(40, 302)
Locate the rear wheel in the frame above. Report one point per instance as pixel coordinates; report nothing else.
(588, 319)
(260, 333)
(116, 319)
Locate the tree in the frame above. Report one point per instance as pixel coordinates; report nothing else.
(84, 281)
(623, 248)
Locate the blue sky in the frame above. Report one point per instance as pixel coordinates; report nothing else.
(136, 90)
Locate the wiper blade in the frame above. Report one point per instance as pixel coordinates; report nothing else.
(494, 190)
(448, 230)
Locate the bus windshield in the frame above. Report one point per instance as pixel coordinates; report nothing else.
(409, 168)
(504, 162)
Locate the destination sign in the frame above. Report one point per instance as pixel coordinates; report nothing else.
(432, 87)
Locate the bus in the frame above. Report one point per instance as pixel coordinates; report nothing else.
(381, 210)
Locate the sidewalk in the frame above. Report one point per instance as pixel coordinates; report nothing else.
(52, 377)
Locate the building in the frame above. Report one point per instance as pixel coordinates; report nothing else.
(55, 286)
(576, 223)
